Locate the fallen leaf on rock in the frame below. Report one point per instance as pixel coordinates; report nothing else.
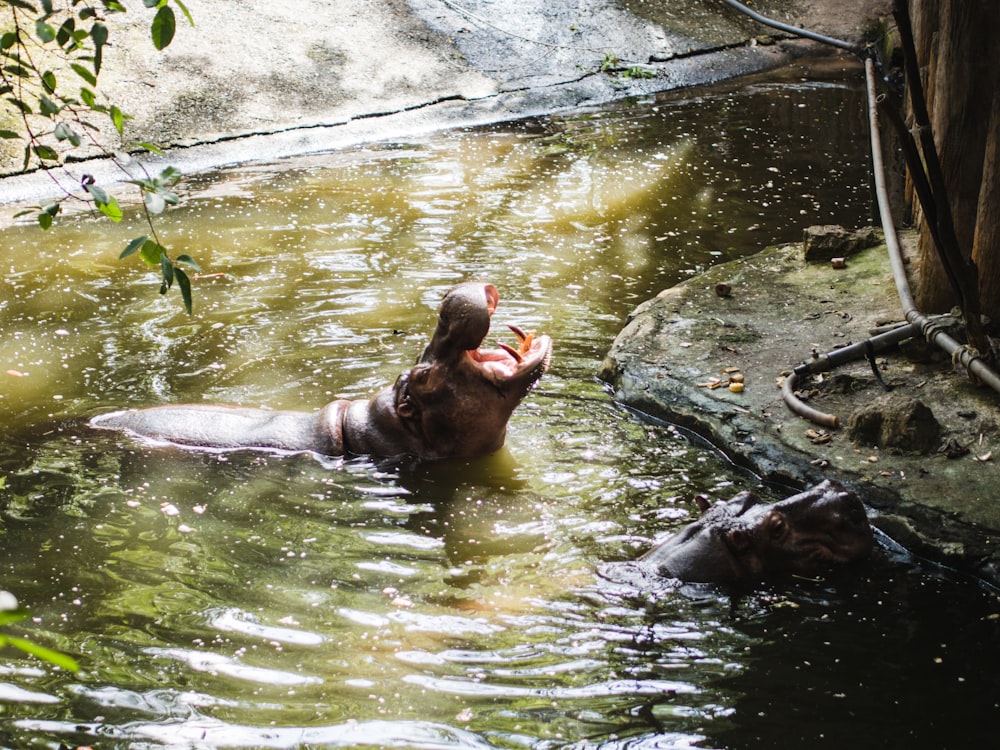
(818, 437)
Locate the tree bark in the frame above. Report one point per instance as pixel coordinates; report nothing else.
(956, 48)
(986, 245)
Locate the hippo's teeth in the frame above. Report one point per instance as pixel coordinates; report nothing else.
(511, 351)
(523, 339)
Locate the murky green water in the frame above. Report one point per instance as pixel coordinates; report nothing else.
(249, 600)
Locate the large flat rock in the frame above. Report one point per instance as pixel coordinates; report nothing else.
(780, 310)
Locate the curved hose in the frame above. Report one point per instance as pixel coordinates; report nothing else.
(792, 29)
(834, 359)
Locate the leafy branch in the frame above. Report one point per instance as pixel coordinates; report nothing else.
(50, 61)
(11, 613)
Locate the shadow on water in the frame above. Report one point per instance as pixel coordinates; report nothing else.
(276, 601)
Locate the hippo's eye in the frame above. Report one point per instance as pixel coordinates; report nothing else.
(776, 524)
(419, 374)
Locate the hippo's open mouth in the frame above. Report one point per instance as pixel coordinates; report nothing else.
(528, 360)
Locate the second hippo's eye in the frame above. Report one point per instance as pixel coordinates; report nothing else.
(419, 374)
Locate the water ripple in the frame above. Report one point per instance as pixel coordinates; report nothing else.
(212, 733)
(232, 620)
(457, 686)
(202, 661)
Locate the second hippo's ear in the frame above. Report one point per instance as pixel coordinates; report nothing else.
(405, 408)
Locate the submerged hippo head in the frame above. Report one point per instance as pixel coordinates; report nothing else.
(743, 540)
(454, 402)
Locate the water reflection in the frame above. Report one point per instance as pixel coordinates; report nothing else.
(258, 600)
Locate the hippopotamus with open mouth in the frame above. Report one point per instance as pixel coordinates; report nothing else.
(454, 402)
(743, 540)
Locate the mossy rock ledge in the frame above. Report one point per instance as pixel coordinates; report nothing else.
(752, 320)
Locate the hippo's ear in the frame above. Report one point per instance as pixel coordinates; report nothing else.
(407, 406)
(744, 500)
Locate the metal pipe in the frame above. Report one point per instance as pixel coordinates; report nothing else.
(960, 354)
(837, 357)
(791, 29)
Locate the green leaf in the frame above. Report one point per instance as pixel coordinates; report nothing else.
(169, 196)
(49, 79)
(163, 27)
(185, 286)
(118, 118)
(23, 5)
(65, 34)
(46, 153)
(9, 616)
(151, 147)
(64, 132)
(45, 654)
(84, 74)
(8, 40)
(44, 220)
(44, 32)
(133, 247)
(98, 193)
(47, 106)
(111, 209)
(154, 202)
(187, 260)
(167, 269)
(151, 252)
(185, 11)
(9, 134)
(143, 183)
(89, 97)
(170, 175)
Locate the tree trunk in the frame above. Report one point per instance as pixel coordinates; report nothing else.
(957, 52)
(986, 246)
